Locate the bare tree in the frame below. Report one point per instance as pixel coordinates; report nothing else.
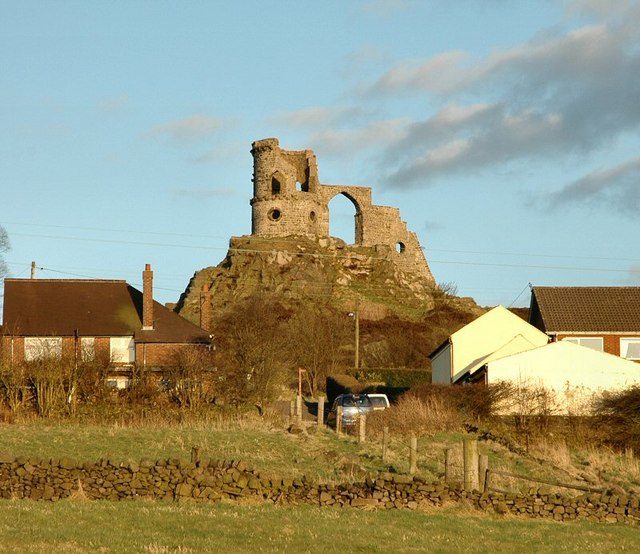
(251, 354)
(318, 341)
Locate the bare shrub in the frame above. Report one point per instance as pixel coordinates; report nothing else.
(471, 401)
(250, 352)
(618, 418)
(14, 389)
(316, 341)
(191, 381)
(415, 414)
(51, 381)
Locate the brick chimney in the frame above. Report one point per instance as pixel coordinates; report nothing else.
(147, 298)
(205, 308)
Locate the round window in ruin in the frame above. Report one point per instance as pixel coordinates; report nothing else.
(400, 247)
(275, 214)
(312, 216)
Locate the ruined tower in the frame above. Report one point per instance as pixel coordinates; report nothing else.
(289, 200)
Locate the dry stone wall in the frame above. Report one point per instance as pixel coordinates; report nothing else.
(177, 480)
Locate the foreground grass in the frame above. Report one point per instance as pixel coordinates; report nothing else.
(158, 527)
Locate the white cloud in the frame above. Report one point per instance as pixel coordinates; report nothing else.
(557, 95)
(614, 187)
(347, 142)
(195, 127)
(319, 116)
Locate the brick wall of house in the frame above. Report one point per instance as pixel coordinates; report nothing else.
(611, 343)
(18, 349)
(153, 354)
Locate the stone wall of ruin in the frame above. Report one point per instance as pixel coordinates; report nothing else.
(289, 200)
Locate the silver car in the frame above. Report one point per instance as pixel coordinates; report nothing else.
(353, 405)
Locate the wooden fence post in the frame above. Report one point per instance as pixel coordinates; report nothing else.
(362, 435)
(470, 462)
(299, 409)
(413, 454)
(292, 411)
(339, 420)
(320, 411)
(448, 465)
(483, 468)
(385, 443)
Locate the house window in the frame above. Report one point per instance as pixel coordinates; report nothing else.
(122, 350)
(38, 348)
(87, 349)
(595, 343)
(630, 348)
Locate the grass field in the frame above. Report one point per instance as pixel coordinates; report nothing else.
(134, 526)
(76, 526)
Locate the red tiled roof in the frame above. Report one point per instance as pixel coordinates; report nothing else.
(59, 307)
(587, 309)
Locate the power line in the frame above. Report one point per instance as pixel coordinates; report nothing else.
(282, 239)
(314, 254)
(519, 295)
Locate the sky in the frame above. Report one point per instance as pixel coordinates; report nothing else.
(506, 132)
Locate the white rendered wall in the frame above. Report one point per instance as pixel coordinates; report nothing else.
(572, 375)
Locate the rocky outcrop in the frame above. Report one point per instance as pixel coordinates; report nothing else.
(322, 270)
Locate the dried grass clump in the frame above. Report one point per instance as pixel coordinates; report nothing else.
(416, 415)
(471, 401)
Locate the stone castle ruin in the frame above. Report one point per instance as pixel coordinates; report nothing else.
(290, 254)
(288, 199)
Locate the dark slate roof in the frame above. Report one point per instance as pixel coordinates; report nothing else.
(586, 309)
(58, 307)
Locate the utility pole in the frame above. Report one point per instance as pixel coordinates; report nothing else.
(33, 270)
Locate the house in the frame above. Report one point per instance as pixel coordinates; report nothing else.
(94, 319)
(606, 319)
(494, 334)
(571, 376)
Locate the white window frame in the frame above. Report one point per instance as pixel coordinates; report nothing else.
(39, 348)
(122, 350)
(626, 341)
(578, 341)
(87, 349)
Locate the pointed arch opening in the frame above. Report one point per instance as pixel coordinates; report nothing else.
(344, 218)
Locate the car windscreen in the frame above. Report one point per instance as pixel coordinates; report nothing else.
(378, 402)
(356, 402)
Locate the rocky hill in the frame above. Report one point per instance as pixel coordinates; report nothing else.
(321, 270)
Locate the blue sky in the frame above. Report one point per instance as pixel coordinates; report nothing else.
(506, 132)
